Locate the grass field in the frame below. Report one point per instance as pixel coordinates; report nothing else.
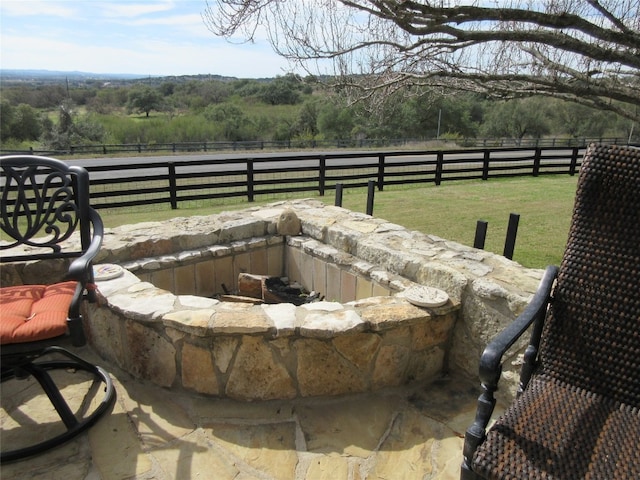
(450, 210)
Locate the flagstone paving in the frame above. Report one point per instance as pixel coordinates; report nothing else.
(153, 433)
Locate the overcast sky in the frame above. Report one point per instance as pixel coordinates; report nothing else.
(146, 37)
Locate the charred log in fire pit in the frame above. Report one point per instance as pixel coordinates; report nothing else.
(268, 289)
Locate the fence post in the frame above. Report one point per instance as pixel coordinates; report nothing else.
(536, 161)
(139, 148)
(250, 179)
(322, 174)
(439, 164)
(173, 189)
(371, 188)
(481, 234)
(486, 159)
(574, 161)
(338, 202)
(512, 232)
(381, 172)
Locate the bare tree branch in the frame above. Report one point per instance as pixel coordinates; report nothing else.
(584, 51)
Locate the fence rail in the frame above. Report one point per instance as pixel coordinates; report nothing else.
(181, 180)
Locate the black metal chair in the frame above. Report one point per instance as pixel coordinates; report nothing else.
(577, 414)
(43, 202)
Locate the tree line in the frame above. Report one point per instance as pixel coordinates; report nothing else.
(290, 107)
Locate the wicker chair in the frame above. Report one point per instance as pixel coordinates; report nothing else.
(577, 414)
(43, 202)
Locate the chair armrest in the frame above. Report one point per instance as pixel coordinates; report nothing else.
(491, 364)
(491, 360)
(80, 268)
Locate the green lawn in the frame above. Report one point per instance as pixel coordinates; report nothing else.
(450, 210)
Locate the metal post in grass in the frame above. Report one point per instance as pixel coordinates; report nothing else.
(338, 202)
(481, 234)
(371, 188)
(512, 232)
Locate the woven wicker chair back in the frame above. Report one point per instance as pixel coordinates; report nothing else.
(592, 336)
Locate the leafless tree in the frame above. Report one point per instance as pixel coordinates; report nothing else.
(587, 51)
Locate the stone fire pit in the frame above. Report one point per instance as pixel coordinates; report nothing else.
(162, 319)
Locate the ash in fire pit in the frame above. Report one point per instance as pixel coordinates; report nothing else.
(269, 289)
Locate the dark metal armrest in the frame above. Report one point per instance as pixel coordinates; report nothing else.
(491, 363)
(80, 268)
(491, 360)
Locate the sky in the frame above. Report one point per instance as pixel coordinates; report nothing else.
(145, 37)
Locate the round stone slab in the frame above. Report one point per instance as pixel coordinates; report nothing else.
(423, 296)
(107, 271)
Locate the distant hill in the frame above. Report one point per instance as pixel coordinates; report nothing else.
(75, 78)
(55, 74)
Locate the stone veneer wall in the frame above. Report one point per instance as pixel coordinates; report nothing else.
(158, 325)
(490, 290)
(261, 352)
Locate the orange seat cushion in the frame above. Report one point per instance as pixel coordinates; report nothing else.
(34, 312)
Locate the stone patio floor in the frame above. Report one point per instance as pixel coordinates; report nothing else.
(404, 433)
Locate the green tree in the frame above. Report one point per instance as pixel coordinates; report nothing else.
(517, 118)
(82, 96)
(26, 123)
(167, 88)
(235, 125)
(580, 121)
(7, 115)
(20, 123)
(335, 122)
(144, 100)
(307, 121)
(282, 91)
(108, 99)
(49, 96)
(430, 115)
(246, 87)
(71, 129)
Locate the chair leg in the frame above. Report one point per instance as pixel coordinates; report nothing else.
(74, 426)
(51, 389)
(467, 474)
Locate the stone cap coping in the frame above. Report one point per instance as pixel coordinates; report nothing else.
(203, 317)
